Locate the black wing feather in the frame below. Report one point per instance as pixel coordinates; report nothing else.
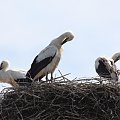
(37, 67)
(102, 70)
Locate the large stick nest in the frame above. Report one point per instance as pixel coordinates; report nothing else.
(66, 100)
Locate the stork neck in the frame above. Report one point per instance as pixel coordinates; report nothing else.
(4, 69)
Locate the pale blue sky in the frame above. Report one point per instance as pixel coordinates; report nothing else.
(27, 26)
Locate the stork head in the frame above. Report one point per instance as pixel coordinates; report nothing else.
(116, 57)
(108, 62)
(104, 60)
(67, 36)
(4, 65)
(62, 39)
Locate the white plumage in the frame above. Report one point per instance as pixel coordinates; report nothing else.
(105, 67)
(116, 57)
(47, 60)
(11, 76)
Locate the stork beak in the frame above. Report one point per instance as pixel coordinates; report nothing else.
(65, 40)
(116, 59)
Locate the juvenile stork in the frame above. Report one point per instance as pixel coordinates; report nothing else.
(115, 58)
(105, 67)
(14, 78)
(47, 60)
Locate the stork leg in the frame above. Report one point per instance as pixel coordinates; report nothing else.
(52, 77)
(47, 77)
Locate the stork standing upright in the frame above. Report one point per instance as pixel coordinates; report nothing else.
(15, 78)
(105, 67)
(47, 60)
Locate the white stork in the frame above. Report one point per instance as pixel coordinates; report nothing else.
(105, 67)
(47, 60)
(115, 58)
(15, 78)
